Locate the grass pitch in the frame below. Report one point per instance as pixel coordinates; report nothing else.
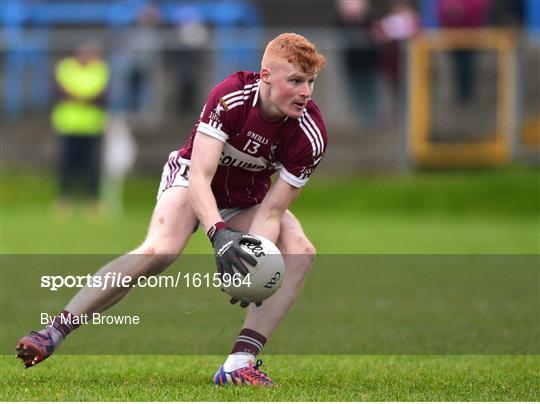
(458, 213)
(493, 211)
(299, 378)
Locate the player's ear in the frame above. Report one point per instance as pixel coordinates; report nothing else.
(265, 75)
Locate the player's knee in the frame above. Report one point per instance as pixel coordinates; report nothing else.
(161, 246)
(303, 246)
(161, 254)
(309, 250)
(303, 251)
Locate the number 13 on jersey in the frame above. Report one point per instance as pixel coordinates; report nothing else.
(251, 146)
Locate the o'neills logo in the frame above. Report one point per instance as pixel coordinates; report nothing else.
(235, 162)
(259, 138)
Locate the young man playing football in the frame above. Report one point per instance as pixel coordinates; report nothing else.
(253, 124)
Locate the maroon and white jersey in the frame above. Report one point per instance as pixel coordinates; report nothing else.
(256, 148)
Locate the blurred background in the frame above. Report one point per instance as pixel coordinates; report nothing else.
(432, 109)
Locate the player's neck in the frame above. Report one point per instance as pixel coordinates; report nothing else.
(268, 110)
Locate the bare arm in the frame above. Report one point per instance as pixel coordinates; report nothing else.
(204, 162)
(267, 220)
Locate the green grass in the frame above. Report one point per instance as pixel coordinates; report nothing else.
(491, 211)
(299, 378)
(495, 211)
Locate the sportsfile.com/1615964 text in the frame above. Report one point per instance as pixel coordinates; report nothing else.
(117, 280)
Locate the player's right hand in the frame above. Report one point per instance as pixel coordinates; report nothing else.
(229, 253)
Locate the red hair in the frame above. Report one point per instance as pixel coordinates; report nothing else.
(294, 49)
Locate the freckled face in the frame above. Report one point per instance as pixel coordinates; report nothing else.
(289, 90)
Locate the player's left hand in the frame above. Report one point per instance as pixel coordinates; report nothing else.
(243, 304)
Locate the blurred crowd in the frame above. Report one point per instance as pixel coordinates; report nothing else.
(162, 56)
(142, 36)
(371, 52)
(373, 32)
(138, 49)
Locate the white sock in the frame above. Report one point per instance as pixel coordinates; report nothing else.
(238, 360)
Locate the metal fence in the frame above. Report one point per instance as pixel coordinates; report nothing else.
(368, 117)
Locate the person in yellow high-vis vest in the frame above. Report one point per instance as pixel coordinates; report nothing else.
(79, 118)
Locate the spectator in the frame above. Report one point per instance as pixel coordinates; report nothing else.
(192, 34)
(463, 14)
(135, 62)
(79, 118)
(361, 58)
(400, 24)
(144, 47)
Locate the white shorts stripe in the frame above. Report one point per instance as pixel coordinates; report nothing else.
(169, 167)
(175, 168)
(170, 178)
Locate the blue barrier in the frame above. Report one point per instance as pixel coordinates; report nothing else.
(236, 23)
(532, 8)
(428, 13)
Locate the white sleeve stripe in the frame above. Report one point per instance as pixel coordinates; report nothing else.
(235, 104)
(236, 101)
(247, 93)
(256, 97)
(244, 96)
(209, 130)
(309, 136)
(233, 94)
(246, 90)
(314, 137)
(250, 90)
(240, 102)
(292, 179)
(319, 136)
(239, 98)
(256, 83)
(314, 126)
(235, 98)
(216, 125)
